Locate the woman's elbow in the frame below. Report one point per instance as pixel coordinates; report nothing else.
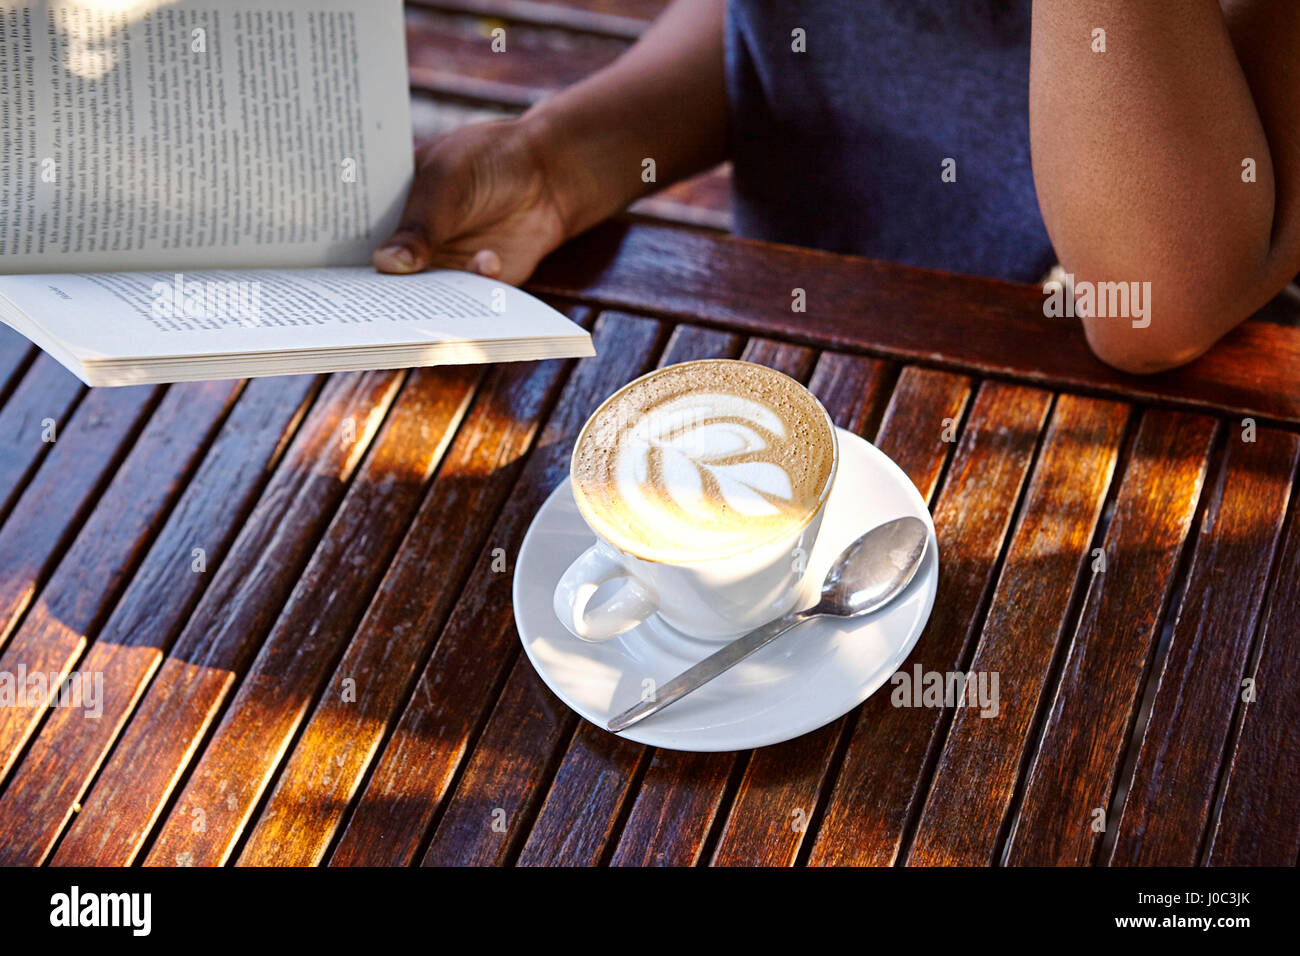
(1126, 348)
(1175, 326)
(1162, 340)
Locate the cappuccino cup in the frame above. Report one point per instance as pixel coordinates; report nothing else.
(705, 484)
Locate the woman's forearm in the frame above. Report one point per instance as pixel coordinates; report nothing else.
(664, 100)
(1138, 161)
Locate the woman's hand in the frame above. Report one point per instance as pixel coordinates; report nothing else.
(482, 200)
(497, 197)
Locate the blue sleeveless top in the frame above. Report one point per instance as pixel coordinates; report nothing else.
(843, 147)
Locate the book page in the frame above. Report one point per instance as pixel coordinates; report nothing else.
(143, 315)
(142, 134)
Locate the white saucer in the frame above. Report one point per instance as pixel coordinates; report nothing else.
(799, 682)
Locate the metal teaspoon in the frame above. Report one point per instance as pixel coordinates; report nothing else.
(867, 575)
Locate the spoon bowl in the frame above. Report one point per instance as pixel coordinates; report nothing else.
(874, 569)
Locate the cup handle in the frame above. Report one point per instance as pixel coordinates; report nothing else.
(627, 607)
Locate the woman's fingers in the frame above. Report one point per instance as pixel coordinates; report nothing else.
(399, 255)
(473, 205)
(411, 247)
(427, 218)
(486, 263)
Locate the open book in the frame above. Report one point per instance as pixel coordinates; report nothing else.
(197, 188)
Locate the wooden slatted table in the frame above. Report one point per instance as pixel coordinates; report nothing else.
(297, 591)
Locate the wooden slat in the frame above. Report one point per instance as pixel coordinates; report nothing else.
(324, 772)
(1258, 823)
(775, 800)
(1073, 772)
(527, 728)
(86, 583)
(85, 454)
(473, 655)
(579, 817)
(681, 794)
(326, 604)
(960, 823)
(679, 798)
(69, 749)
(451, 55)
(882, 778)
(703, 201)
(903, 313)
(919, 429)
(793, 360)
(487, 815)
(236, 611)
(782, 787)
(1172, 791)
(852, 389)
(46, 391)
(15, 354)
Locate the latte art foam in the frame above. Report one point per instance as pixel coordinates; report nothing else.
(704, 459)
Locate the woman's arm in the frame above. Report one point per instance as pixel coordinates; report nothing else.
(497, 197)
(664, 99)
(1138, 156)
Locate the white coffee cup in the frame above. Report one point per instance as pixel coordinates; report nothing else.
(716, 599)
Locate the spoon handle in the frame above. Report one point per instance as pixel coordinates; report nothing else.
(716, 663)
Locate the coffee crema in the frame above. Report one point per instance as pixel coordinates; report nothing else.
(702, 460)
